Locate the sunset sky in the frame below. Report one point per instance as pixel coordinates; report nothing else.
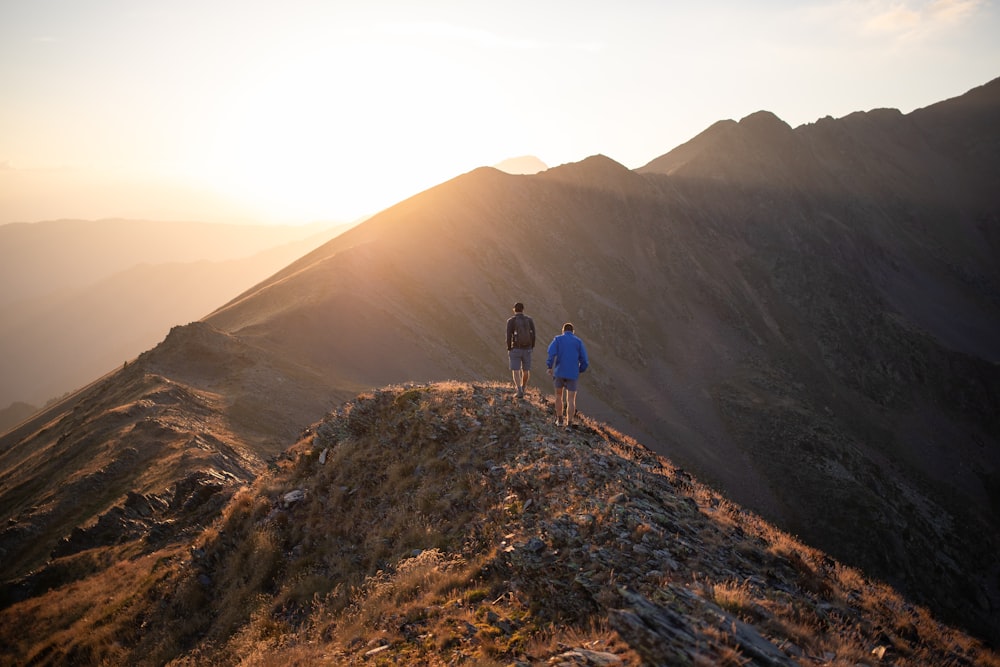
(302, 110)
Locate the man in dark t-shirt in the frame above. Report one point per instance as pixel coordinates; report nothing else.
(520, 342)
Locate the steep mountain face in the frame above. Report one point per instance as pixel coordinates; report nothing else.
(455, 524)
(804, 318)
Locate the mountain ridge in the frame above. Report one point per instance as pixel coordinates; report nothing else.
(452, 523)
(739, 268)
(780, 338)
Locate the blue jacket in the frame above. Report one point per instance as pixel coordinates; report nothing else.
(569, 355)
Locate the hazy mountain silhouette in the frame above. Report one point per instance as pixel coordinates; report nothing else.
(525, 164)
(81, 297)
(87, 251)
(15, 413)
(802, 317)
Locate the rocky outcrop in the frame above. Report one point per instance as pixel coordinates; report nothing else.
(154, 517)
(123, 523)
(151, 521)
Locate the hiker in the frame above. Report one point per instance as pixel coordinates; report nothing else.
(520, 342)
(567, 359)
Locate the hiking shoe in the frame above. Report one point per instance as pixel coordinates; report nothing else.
(559, 421)
(520, 392)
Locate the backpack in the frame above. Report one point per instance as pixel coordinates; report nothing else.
(522, 331)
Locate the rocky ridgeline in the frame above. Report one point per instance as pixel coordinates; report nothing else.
(153, 517)
(558, 533)
(135, 458)
(150, 520)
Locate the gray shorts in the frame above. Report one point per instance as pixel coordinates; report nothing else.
(520, 358)
(565, 382)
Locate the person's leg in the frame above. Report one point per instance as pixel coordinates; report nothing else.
(515, 368)
(570, 401)
(525, 370)
(570, 406)
(559, 404)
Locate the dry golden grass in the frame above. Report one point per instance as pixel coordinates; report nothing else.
(91, 621)
(402, 552)
(427, 498)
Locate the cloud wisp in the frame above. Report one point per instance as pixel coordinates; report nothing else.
(910, 21)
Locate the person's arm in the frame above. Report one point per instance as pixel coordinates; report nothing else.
(584, 362)
(531, 327)
(510, 333)
(552, 354)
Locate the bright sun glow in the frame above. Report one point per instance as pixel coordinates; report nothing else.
(349, 128)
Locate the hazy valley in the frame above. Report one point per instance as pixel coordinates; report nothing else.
(803, 319)
(81, 297)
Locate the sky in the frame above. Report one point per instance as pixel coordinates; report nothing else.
(306, 110)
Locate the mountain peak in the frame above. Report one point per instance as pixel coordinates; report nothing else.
(597, 171)
(525, 164)
(764, 125)
(717, 133)
(595, 164)
(729, 151)
(452, 522)
(763, 118)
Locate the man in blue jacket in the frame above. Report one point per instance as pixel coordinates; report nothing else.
(567, 359)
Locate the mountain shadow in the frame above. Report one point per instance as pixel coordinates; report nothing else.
(455, 524)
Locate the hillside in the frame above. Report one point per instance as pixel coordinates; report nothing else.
(803, 317)
(453, 524)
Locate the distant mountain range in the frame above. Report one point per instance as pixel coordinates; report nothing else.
(803, 318)
(81, 297)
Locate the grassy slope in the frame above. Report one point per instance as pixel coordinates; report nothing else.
(453, 524)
